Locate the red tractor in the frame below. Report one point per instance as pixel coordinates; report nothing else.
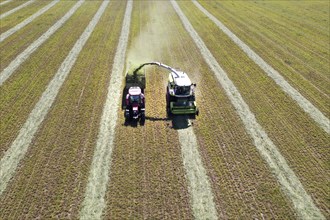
(134, 103)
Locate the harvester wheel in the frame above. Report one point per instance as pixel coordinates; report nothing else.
(168, 111)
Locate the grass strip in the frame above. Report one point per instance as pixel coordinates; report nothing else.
(62, 149)
(14, 45)
(147, 176)
(94, 204)
(5, 2)
(299, 139)
(22, 91)
(303, 203)
(242, 185)
(16, 9)
(307, 106)
(19, 147)
(284, 42)
(11, 31)
(10, 69)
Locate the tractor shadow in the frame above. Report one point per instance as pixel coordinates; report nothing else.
(176, 122)
(134, 123)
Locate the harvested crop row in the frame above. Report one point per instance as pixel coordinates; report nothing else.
(11, 5)
(15, 44)
(22, 91)
(53, 176)
(230, 177)
(3, 2)
(16, 18)
(94, 203)
(302, 143)
(147, 179)
(19, 26)
(285, 44)
(22, 57)
(12, 11)
(308, 107)
(20, 145)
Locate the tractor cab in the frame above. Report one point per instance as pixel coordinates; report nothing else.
(134, 95)
(134, 103)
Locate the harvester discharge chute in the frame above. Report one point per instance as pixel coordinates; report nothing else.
(180, 95)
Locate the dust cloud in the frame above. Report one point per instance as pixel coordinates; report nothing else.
(152, 39)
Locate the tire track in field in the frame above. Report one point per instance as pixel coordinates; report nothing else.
(5, 2)
(10, 69)
(19, 147)
(16, 9)
(94, 202)
(11, 31)
(306, 105)
(290, 184)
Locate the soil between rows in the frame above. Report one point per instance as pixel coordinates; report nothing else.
(52, 178)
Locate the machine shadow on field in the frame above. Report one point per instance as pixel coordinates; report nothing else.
(157, 119)
(180, 122)
(176, 122)
(134, 123)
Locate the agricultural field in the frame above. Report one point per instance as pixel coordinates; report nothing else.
(258, 149)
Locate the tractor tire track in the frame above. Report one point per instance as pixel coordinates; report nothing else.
(94, 202)
(16, 9)
(11, 31)
(306, 105)
(290, 184)
(5, 2)
(11, 68)
(19, 147)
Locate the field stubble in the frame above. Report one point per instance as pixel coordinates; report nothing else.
(226, 188)
(10, 6)
(302, 62)
(64, 146)
(17, 101)
(18, 8)
(147, 177)
(302, 143)
(16, 18)
(19, 26)
(16, 44)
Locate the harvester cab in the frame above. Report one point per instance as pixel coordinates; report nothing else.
(180, 95)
